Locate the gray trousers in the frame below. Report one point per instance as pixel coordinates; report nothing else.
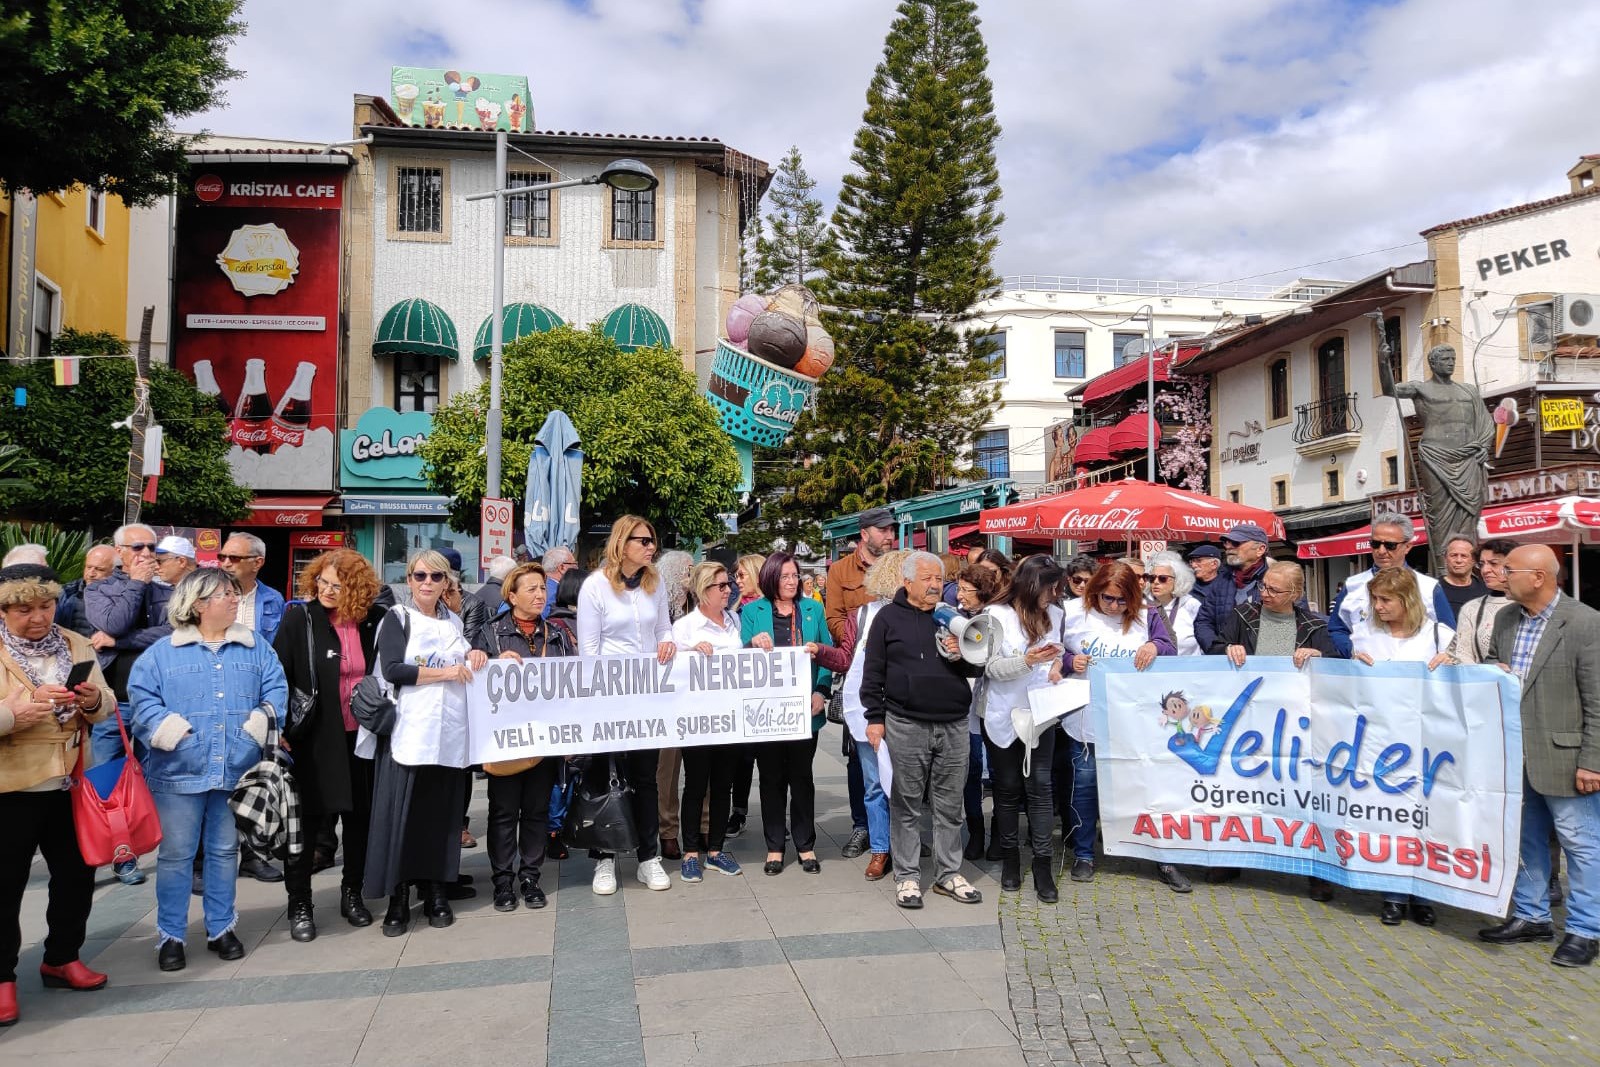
(928, 758)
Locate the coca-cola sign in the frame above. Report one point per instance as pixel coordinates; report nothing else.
(208, 187)
(317, 539)
(1108, 519)
(298, 517)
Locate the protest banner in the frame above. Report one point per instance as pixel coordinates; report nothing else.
(1389, 778)
(581, 704)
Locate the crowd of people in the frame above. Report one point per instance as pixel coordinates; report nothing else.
(200, 665)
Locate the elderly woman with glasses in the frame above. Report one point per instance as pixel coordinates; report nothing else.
(40, 733)
(327, 644)
(417, 787)
(1168, 581)
(1110, 622)
(204, 699)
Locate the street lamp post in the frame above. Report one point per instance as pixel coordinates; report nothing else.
(628, 175)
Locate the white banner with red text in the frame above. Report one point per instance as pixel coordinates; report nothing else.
(1388, 778)
(577, 705)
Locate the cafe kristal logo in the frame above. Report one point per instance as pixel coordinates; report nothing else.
(260, 260)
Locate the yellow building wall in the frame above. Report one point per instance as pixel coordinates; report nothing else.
(90, 270)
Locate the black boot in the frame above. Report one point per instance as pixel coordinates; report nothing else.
(1044, 880)
(1010, 871)
(992, 853)
(399, 914)
(302, 927)
(974, 849)
(436, 906)
(352, 908)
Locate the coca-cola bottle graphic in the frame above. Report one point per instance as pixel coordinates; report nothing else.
(292, 417)
(205, 380)
(253, 413)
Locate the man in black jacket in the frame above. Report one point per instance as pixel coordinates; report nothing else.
(915, 693)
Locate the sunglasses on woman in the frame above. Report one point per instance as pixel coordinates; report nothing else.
(1118, 601)
(428, 576)
(646, 541)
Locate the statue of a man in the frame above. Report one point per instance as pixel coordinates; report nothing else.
(1453, 452)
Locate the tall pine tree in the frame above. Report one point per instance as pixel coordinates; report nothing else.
(916, 225)
(794, 239)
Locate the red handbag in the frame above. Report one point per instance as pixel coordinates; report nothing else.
(112, 809)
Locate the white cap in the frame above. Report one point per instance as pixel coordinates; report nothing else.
(172, 545)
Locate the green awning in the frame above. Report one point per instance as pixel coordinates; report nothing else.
(636, 326)
(417, 327)
(516, 320)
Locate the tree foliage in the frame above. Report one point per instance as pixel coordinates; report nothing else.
(63, 549)
(917, 225)
(794, 238)
(652, 444)
(81, 461)
(92, 87)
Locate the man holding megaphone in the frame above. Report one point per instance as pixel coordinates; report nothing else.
(973, 636)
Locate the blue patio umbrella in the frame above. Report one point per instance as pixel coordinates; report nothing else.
(555, 484)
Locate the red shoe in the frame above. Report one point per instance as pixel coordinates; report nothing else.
(8, 1003)
(72, 975)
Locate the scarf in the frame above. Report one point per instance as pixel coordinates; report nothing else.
(52, 644)
(1245, 575)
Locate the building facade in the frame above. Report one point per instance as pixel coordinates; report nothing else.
(65, 265)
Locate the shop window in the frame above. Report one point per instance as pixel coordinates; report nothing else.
(1069, 353)
(403, 539)
(416, 382)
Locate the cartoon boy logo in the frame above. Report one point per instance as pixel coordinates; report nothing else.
(1174, 709)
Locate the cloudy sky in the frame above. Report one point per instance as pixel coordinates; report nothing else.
(1210, 141)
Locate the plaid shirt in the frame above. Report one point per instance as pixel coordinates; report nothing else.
(265, 803)
(1529, 629)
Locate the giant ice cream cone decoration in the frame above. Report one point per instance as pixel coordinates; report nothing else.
(1505, 416)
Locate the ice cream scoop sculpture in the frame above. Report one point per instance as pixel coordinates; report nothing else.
(1505, 416)
(766, 368)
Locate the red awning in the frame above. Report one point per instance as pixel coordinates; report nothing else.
(958, 532)
(1560, 514)
(1350, 543)
(1093, 447)
(1134, 433)
(296, 510)
(1120, 379)
(1126, 510)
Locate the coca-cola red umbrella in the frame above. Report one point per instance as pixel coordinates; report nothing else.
(1124, 511)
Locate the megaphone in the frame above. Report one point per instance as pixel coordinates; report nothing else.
(974, 635)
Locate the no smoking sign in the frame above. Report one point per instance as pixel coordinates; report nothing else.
(494, 537)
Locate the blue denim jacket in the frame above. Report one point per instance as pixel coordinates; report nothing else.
(215, 692)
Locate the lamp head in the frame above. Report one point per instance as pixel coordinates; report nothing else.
(629, 176)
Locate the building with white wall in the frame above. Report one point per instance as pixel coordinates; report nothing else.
(1052, 334)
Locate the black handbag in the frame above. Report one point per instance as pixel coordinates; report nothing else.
(302, 709)
(600, 816)
(371, 704)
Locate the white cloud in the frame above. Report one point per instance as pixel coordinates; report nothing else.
(1177, 140)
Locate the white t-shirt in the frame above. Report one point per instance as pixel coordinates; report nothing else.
(1185, 610)
(1420, 647)
(999, 697)
(1098, 636)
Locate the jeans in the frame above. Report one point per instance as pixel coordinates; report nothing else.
(42, 822)
(874, 799)
(639, 768)
(519, 827)
(856, 784)
(1085, 801)
(786, 776)
(187, 821)
(707, 772)
(928, 758)
(1013, 790)
(972, 798)
(1577, 825)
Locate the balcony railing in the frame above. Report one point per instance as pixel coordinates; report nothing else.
(1332, 417)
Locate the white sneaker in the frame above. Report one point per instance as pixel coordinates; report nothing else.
(651, 874)
(605, 877)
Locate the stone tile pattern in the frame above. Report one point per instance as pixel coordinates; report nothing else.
(1123, 971)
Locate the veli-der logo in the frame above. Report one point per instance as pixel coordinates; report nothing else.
(259, 260)
(775, 716)
(209, 188)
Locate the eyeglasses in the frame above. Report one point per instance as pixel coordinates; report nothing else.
(332, 587)
(1265, 588)
(141, 546)
(1160, 579)
(230, 594)
(1230, 544)
(1119, 601)
(1387, 546)
(720, 585)
(428, 576)
(228, 557)
(646, 541)
(1522, 570)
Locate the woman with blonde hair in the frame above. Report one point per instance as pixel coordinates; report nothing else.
(327, 644)
(423, 656)
(747, 577)
(623, 610)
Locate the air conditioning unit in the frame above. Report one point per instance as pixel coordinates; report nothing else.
(1576, 313)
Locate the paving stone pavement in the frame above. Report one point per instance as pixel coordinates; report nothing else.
(1252, 972)
(796, 968)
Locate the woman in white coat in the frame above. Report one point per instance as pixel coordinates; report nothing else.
(417, 789)
(1027, 655)
(1168, 581)
(622, 610)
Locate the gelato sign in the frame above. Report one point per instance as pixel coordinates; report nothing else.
(457, 98)
(382, 449)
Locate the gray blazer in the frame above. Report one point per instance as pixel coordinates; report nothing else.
(1560, 695)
